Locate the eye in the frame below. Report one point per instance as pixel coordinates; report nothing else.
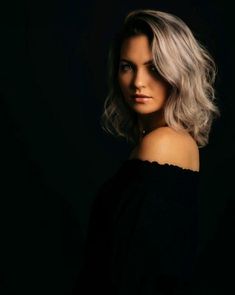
(153, 69)
(125, 67)
(155, 72)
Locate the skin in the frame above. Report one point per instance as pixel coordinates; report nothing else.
(165, 145)
(135, 76)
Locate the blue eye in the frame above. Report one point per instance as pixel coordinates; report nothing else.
(155, 72)
(153, 69)
(124, 67)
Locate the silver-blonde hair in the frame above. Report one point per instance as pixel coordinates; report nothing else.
(182, 61)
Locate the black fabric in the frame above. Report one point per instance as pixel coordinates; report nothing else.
(143, 231)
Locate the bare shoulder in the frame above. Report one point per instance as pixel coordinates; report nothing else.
(165, 145)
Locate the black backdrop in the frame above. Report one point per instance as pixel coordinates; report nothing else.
(54, 154)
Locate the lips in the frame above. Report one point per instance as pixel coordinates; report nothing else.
(141, 98)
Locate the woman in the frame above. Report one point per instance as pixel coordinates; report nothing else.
(142, 236)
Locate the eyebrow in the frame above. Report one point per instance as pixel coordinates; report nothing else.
(146, 63)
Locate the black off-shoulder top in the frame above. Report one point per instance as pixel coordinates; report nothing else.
(143, 231)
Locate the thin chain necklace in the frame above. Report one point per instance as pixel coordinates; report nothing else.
(144, 131)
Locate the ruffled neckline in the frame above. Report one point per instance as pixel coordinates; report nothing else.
(157, 165)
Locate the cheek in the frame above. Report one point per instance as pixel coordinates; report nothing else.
(123, 82)
(166, 91)
(162, 89)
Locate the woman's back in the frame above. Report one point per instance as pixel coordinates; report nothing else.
(142, 236)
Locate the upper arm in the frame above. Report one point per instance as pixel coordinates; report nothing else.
(156, 239)
(164, 146)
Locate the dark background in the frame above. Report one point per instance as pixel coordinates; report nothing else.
(54, 154)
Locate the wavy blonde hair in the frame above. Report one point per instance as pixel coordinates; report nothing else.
(182, 61)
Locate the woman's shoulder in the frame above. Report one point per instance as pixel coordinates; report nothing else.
(166, 145)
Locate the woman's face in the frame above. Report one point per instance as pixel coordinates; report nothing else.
(138, 75)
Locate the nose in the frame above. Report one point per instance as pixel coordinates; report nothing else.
(139, 79)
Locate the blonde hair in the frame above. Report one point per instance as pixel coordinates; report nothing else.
(182, 61)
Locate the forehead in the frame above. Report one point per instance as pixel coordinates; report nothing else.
(136, 47)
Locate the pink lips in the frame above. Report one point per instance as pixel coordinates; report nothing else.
(141, 98)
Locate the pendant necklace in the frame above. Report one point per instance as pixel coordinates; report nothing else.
(143, 132)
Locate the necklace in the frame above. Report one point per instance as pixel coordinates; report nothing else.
(143, 132)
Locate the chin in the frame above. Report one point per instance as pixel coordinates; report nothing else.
(143, 109)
